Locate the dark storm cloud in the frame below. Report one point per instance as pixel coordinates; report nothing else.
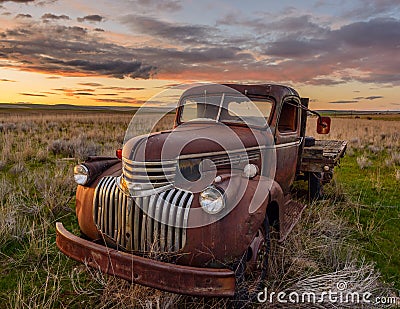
(168, 5)
(380, 31)
(369, 47)
(23, 16)
(70, 50)
(166, 30)
(56, 17)
(294, 49)
(115, 68)
(289, 26)
(91, 18)
(371, 8)
(312, 51)
(18, 1)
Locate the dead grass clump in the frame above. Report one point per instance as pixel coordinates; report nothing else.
(394, 159)
(4, 127)
(374, 149)
(363, 162)
(79, 148)
(13, 226)
(17, 168)
(62, 147)
(397, 175)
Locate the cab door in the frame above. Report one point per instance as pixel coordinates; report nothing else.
(287, 142)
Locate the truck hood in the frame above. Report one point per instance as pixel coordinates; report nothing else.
(194, 138)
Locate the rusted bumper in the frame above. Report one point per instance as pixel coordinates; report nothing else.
(160, 275)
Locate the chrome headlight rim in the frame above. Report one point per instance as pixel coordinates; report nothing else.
(81, 174)
(210, 207)
(250, 171)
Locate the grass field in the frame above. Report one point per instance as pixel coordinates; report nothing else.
(352, 234)
(369, 177)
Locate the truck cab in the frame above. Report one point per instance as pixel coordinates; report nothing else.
(188, 210)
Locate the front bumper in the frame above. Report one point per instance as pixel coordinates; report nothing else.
(137, 269)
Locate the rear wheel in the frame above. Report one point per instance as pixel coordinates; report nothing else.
(314, 185)
(252, 268)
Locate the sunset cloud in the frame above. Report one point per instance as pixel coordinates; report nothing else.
(169, 5)
(91, 18)
(69, 51)
(313, 46)
(23, 16)
(374, 97)
(54, 16)
(344, 102)
(32, 94)
(18, 1)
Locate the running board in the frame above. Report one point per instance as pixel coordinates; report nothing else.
(291, 215)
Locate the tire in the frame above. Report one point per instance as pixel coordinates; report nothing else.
(249, 277)
(315, 186)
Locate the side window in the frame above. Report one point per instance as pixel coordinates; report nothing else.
(289, 117)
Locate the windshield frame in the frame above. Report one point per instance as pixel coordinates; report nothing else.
(252, 98)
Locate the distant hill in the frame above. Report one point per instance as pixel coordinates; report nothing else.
(354, 112)
(69, 107)
(66, 107)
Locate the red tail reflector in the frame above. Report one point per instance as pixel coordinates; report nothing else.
(118, 152)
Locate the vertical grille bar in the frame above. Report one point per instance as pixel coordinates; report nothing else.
(136, 227)
(179, 219)
(185, 218)
(171, 222)
(128, 215)
(150, 222)
(164, 218)
(157, 223)
(142, 224)
(143, 236)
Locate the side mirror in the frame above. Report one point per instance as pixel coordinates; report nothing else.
(323, 125)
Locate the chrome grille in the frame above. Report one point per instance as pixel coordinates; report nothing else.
(149, 175)
(155, 223)
(235, 159)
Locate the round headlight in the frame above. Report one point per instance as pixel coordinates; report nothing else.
(81, 174)
(212, 200)
(250, 170)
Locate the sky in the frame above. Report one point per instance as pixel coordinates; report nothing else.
(341, 54)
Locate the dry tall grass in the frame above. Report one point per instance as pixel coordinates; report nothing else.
(365, 137)
(36, 189)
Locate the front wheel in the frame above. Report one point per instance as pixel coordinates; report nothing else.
(253, 266)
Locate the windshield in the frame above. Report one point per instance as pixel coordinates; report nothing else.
(228, 108)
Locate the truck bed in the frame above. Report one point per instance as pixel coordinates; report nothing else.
(323, 153)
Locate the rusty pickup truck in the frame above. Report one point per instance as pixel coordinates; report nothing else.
(189, 210)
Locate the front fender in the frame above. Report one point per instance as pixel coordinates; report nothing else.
(227, 239)
(84, 202)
